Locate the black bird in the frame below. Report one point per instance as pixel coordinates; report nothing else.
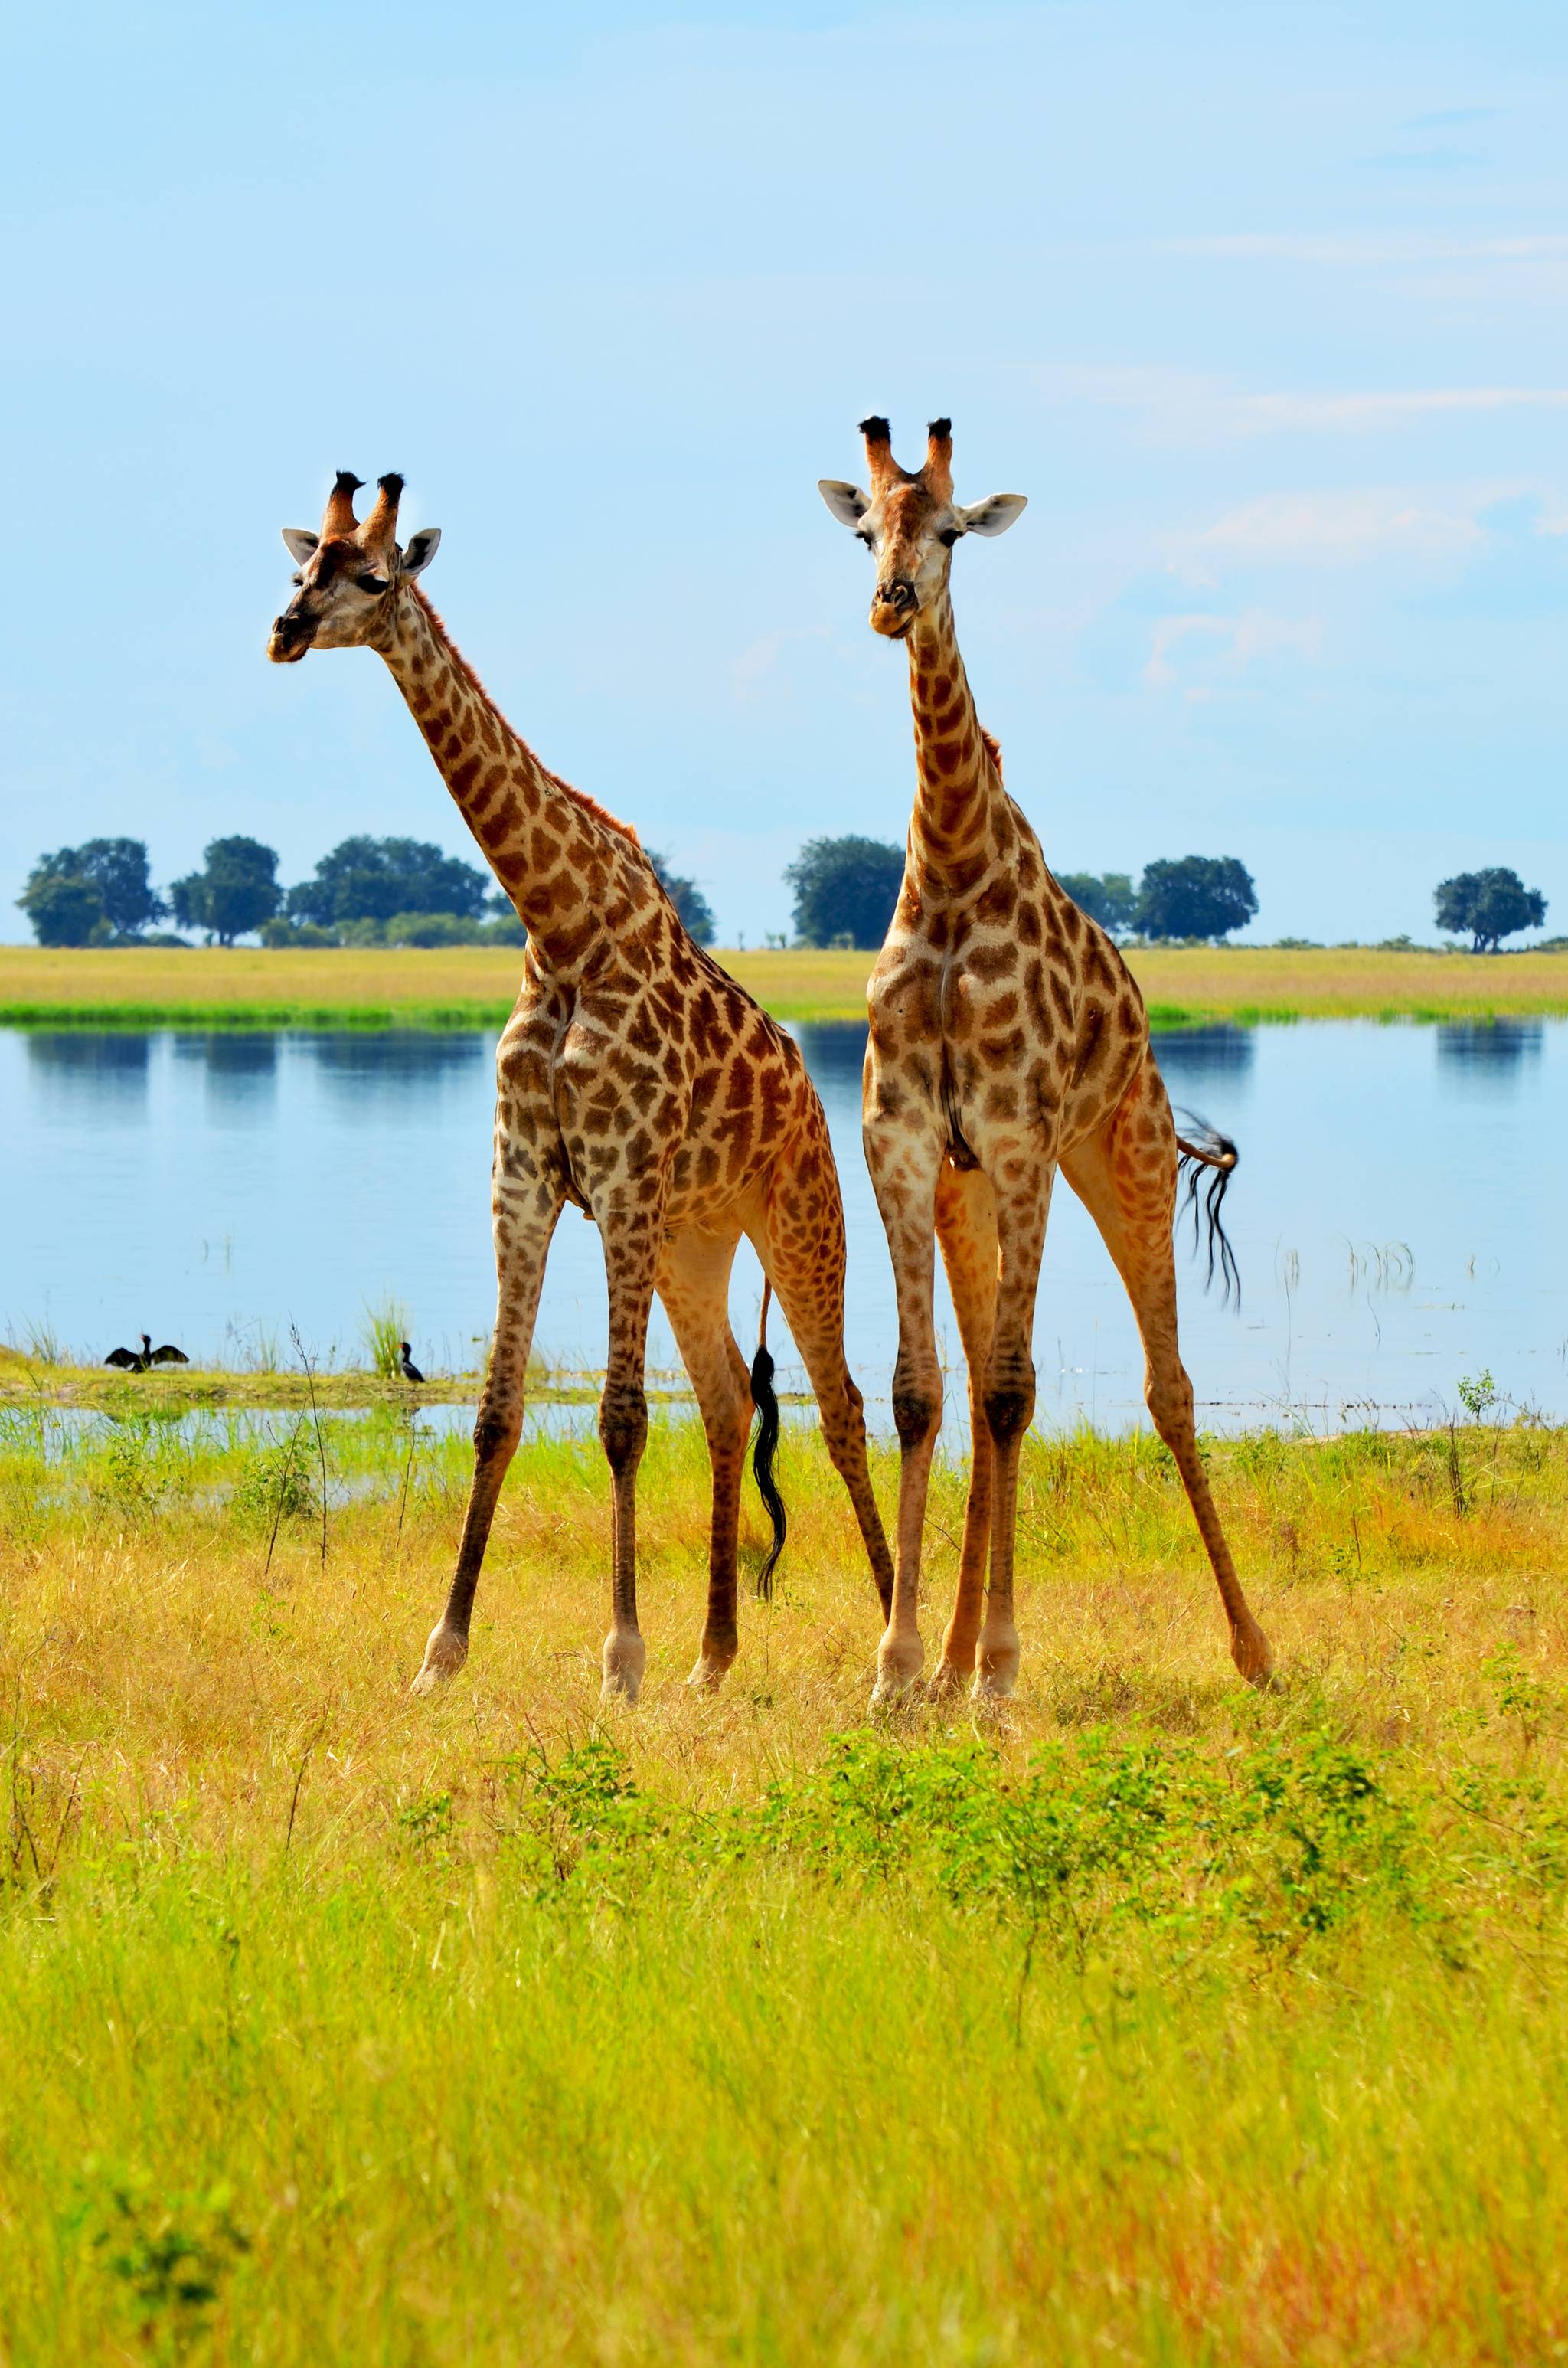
(406, 1365)
(137, 1360)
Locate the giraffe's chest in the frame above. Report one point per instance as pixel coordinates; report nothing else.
(1000, 1036)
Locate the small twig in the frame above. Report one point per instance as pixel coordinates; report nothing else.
(299, 1780)
(65, 1814)
(407, 1470)
(285, 1475)
(315, 1418)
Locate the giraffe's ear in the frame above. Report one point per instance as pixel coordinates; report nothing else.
(995, 515)
(847, 503)
(298, 542)
(421, 551)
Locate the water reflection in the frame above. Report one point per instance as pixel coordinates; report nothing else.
(238, 1072)
(1186, 1055)
(835, 1055)
(1490, 1049)
(79, 1068)
(387, 1063)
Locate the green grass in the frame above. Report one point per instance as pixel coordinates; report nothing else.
(1154, 2021)
(476, 986)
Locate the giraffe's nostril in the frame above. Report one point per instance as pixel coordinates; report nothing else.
(897, 592)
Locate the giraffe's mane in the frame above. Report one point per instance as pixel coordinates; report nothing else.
(580, 798)
(993, 747)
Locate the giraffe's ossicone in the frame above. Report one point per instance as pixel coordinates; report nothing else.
(1007, 1040)
(636, 1080)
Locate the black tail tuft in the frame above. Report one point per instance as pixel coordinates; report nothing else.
(1207, 1148)
(764, 1450)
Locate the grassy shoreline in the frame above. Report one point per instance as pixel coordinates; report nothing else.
(208, 988)
(1154, 2021)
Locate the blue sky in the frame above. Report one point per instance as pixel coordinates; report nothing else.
(1266, 308)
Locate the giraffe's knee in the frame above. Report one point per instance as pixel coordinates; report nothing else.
(917, 1410)
(623, 1426)
(1009, 1402)
(496, 1435)
(1168, 1397)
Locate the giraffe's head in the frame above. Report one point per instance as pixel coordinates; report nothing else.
(910, 522)
(349, 574)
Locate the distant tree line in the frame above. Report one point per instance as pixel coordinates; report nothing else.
(846, 890)
(406, 892)
(392, 892)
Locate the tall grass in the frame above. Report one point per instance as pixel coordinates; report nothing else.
(383, 1332)
(476, 986)
(1154, 2021)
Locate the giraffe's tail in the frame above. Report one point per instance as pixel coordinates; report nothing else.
(1206, 1150)
(766, 1446)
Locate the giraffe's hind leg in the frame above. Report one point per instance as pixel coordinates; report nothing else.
(799, 1239)
(694, 1285)
(966, 1227)
(631, 1223)
(1126, 1177)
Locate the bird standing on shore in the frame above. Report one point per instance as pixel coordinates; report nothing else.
(137, 1360)
(406, 1365)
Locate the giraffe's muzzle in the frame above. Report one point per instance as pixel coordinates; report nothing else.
(290, 639)
(893, 607)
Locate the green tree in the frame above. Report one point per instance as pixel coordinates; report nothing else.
(235, 891)
(845, 888)
(1195, 896)
(64, 910)
(366, 879)
(114, 870)
(1110, 899)
(696, 912)
(1488, 905)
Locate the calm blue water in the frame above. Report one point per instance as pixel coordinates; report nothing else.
(1395, 1215)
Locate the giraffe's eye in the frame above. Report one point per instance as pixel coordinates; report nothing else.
(861, 536)
(371, 582)
(949, 536)
(296, 579)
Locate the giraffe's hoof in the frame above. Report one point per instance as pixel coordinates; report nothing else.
(947, 1680)
(1250, 1651)
(996, 1672)
(712, 1668)
(898, 1666)
(624, 1657)
(444, 1656)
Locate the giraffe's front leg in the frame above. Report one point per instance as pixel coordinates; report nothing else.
(966, 1227)
(1008, 1406)
(526, 1205)
(904, 1167)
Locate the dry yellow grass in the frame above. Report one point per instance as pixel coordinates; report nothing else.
(350, 2029)
(368, 987)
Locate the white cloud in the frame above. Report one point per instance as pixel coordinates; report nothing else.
(751, 672)
(1334, 529)
(1250, 634)
(1185, 406)
(1260, 413)
(1373, 250)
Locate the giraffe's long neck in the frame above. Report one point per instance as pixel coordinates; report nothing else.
(963, 820)
(575, 877)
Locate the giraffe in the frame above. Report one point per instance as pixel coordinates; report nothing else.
(635, 1080)
(1008, 1040)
